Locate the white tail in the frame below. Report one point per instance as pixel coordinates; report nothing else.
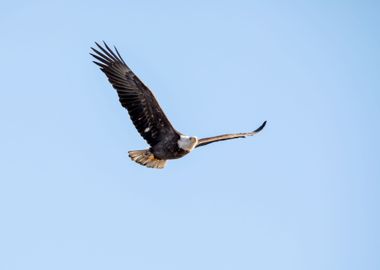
(146, 158)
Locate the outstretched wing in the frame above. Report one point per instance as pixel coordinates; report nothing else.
(224, 137)
(143, 108)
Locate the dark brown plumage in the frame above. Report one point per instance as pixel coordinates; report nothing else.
(143, 108)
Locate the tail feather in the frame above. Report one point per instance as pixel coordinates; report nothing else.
(146, 158)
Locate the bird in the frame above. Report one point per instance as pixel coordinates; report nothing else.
(166, 143)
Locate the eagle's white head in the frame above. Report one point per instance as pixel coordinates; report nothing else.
(187, 143)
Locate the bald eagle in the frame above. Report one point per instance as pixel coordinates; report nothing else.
(147, 116)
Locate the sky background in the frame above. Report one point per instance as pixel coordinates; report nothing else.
(303, 194)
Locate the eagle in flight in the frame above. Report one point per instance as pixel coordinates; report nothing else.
(147, 116)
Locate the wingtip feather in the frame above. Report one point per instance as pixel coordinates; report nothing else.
(260, 127)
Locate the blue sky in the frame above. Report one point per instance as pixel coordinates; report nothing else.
(303, 194)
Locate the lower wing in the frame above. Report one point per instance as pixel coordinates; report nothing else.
(204, 141)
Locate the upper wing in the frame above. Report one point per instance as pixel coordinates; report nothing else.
(142, 106)
(224, 137)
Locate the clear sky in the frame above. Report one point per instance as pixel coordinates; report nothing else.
(303, 194)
